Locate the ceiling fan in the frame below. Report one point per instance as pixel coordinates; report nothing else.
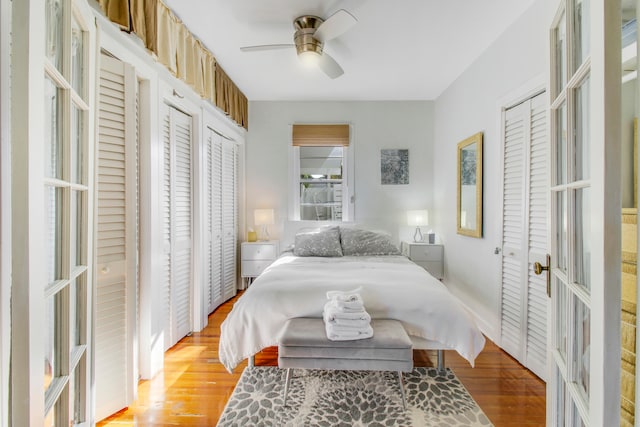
(311, 34)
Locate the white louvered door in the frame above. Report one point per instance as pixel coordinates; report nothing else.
(177, 224)
(524, 233)
(222, 212)
(214, 221)
(116, 238)
(229, 217)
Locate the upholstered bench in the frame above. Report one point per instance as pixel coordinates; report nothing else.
(304, 344)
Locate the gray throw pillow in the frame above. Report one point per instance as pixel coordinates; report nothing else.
(364, 242)
(323, 242)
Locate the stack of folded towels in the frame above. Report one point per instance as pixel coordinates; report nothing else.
(345, 317)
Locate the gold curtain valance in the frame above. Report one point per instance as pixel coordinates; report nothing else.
(178, 50)
(229, 98)
(320, 135)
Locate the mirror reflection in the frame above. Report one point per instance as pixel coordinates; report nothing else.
(470, 186)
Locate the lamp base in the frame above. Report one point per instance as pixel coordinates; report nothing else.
(417, 236)
(264, 233)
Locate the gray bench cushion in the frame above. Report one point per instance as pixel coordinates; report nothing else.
(304, 344)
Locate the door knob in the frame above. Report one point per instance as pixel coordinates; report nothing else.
(539, 268)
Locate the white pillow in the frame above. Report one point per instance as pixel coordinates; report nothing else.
(355, 241)
(324, 242)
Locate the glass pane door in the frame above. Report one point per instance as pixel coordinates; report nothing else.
(570, 186)
(585, 214)
(66, 210)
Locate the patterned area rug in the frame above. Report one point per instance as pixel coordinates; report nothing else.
(350, 398)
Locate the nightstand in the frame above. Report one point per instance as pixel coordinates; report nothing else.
(255, 257)
(426, 255)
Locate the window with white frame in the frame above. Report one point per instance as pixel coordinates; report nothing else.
(322, 169)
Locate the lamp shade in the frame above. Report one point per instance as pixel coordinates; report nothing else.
(263, 216)
(418, 218)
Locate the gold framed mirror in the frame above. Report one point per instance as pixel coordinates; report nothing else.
(469, 222)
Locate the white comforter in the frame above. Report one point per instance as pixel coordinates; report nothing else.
(392, 287)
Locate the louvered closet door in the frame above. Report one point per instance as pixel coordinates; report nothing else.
(229, 217)
(116, 238)
(177, 225)
(214, 221)
(524, 233)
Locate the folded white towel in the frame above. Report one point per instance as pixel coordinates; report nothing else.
(345, 296)
(347, 306)
(332, 313)
(349, 323)
(347, 330)
(335, 333)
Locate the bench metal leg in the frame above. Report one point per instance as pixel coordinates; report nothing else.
(401, 383)
(252, 361)
(286, 387)
(441, 368)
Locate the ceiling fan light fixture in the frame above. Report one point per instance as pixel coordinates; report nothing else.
(311, 32)
(309, 48)
(309, 58)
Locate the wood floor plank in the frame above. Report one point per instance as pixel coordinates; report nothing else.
(194, 387)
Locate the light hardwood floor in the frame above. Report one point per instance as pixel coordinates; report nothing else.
(194, 387)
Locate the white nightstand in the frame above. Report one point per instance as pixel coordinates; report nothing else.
(426, 255)
(255, 257)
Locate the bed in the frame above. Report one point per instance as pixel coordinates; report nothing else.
(392, 287)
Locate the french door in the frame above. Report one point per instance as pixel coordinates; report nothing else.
(584, 344)
(52, 206)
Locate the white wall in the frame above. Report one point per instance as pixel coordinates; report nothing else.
(470, 105)
(375, 125)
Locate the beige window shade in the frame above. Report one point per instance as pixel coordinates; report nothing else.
(320, 135)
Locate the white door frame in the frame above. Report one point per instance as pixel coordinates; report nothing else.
(637, 198)
(111, 39)
(5, 202)
(605, 211)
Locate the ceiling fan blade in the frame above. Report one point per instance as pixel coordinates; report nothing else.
(329, 66)
(335, 25)
(266, 47)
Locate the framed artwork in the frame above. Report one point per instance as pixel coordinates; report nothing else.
(394, 166)
(469, 186)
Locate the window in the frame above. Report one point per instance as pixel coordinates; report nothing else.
(322, 169)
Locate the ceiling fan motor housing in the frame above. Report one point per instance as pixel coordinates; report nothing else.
(306, 27)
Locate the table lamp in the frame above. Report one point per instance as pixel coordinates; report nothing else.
(418, 218)
(263, 218)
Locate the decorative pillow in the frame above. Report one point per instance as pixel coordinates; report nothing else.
(364, 242)
(322, 242)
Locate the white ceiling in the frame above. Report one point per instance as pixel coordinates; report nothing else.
(399, 50)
